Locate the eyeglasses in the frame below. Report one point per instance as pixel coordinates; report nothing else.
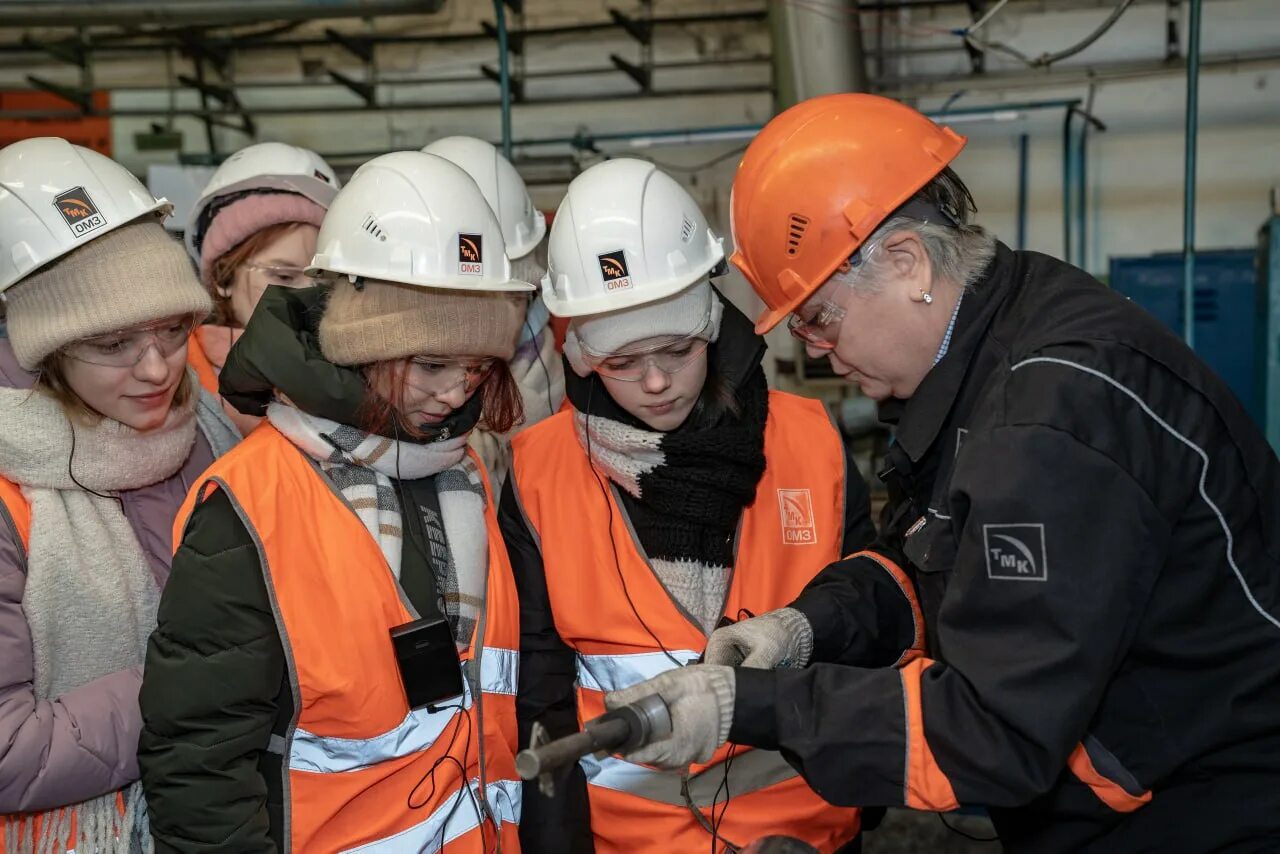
(285, 276)
(125, 348)
(439, 376)
(822, 330)
(669, 358)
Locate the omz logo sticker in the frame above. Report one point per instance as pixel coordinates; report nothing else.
(78, 211)
(1015, 552)
(796, 508)
(613, 269)
(471, 254)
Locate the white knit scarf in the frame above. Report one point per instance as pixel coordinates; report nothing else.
(361, 466)
(90, 597)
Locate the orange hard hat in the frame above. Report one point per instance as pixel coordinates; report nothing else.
(817, 181)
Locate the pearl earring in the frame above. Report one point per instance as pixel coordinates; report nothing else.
(927, 298)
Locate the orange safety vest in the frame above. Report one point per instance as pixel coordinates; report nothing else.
(199, 362)
(794, 528)
(16, 513)
(355, 754)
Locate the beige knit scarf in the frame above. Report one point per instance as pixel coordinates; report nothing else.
(90, 597)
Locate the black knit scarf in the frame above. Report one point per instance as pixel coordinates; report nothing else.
(687, 506)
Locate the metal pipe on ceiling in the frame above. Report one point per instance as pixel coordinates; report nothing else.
(817, 50)
(504, 75)
(42, 13)
(685, 136)
(545, 74)
(922, 87)
(732, 133)
(409, 107)
(132, 43)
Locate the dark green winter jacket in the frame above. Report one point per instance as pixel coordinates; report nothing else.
(216, 687)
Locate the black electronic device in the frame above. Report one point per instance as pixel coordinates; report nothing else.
(430, 669)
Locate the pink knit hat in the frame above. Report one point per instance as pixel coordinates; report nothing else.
(245, 217)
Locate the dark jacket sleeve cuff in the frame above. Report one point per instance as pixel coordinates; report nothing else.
(821, 611)
(754, 716)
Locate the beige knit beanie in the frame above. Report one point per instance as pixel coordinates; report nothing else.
(384, 320)
(132, 275)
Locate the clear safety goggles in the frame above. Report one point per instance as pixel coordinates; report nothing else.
(282, 275)
(670, 356)
(821, 330)
(437, 375)
(125, 348)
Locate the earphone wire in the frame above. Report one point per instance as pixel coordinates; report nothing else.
(709, 827)
(613, 543)
(71, 473)
(483, 813)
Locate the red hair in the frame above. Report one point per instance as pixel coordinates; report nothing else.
(223, 269)
(501, 406)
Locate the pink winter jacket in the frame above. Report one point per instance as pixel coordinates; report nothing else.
(84, 743)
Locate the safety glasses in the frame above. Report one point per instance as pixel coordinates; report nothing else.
(125, 348)
(669, 358)
(669, 355)
(436, 375)
(822, 330)
(279, 274)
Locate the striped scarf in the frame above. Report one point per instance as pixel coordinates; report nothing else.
(361, 466)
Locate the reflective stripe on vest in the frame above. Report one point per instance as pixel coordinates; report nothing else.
(597, 572)
(355, 751)
(750, 771)
(451, 820)
(418, 731)
(17, 515)
(615, 672)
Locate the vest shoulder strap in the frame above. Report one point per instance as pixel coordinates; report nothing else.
(17, 513)
(199, 362)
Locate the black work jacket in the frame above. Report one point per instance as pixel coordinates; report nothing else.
(1089, 528)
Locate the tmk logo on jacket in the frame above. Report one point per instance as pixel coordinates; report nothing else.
(78, 211)
(1015, 552)
(796, 509)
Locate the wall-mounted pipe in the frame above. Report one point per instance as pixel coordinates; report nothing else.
(1189, 179)
(504, 75)
(1024, 145)
(1068, 182)
(695, 135)
(730, 133)
(1082, 194)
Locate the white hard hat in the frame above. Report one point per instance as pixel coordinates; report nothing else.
(626, 234)
(55, 197)
(265, 166)
(416, 219)
(523, 225)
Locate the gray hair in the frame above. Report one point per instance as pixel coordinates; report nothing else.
(958, 254)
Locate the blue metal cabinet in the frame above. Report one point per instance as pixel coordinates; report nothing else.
(1226, 306)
